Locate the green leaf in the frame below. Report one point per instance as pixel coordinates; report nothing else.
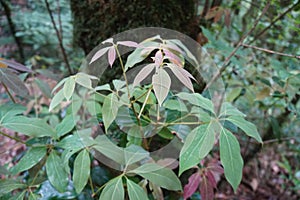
(13, 82)
(29, 126)
(233, 94)
(134, 153)
(44, 87)
(249, 128)
(228, 109)
(175, 105)
(110, 110)
(103, 87)
(109, 149)
(9, 185)
(81, 170)
(161, 84)
(57, 99)
(135, 191)
(231, 158)
(69, 87)
(19, 196)
(160, 176)
(113, 190)
(10, 110)
(56, 173)
(65, 126)
(83, 80)
(197, 145)
(118, 84)
(31, 158)
(59, 84)
(197, 100)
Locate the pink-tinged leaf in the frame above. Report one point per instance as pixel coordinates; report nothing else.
(15, 65)
(109, 40)
(128, 43)
(216, 170)
(143, 74)
(111, 55)
(182, 75)
(158, 59)
(206, 189)
(211, 178)
(173, 58)
(99, 53)
(191, 187)
(173, 47)
(161, 84)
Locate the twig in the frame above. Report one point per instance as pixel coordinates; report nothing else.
(270, 51)
(8, 92)
(273, 22)
(59, 38)
(227, 60)
(13, 29)
(59, 20)
(12, 137)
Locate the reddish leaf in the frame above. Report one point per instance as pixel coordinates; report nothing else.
(173, 58)
(161, 84)
(182, 75)
(143, 74)
(15, 65)
(191, 187)
(128, 43)
(99, 53)
(111, 55)
(206, 189)
(173, 47)
(211, 178)
(216, 170)
(158, 59)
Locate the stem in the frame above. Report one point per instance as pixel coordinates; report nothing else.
(145, 102)
(59, 37)
(227, 60)
(270, 51)
(13, 138)
(8, 92)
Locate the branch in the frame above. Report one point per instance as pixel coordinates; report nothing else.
(59, 37)
(270, 51)
(13, 29)
(227, 60)
(274, 21)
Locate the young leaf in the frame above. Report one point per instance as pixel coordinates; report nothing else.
(231, 158)
(113, 190)
(81, 170)
(69, 87)
(163, 177)
(65, 126)
(182, 76)
(206, 189)
(111, 55)
(31, 158)
(29, 126)
(197, 145)
(128, 43)
(56, 173)
(83, 80)
(99, 53)
(110, 110)
(135, 191)
(161, 84)
(57, 99)
(249, 128)
(143, 73)
(191, 187)
(8, 185)
(197, 100)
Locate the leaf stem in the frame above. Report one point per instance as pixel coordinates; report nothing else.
(145, 102)
(13, 138)
(8, 92)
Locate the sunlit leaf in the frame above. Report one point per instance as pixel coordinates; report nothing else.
(31, 158)
(103, 87)
(161, 84)
(249, 128)
(99, 53)
(29, 126)
(56, 173)
(111, 55)
(69, 87)
(83, 80)
(113, 190)
(109, 110)
(197, 145)
(81, 170)
(231, 158)
(57, 99)
(182, 76)
(143, 73)
(135, 191)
